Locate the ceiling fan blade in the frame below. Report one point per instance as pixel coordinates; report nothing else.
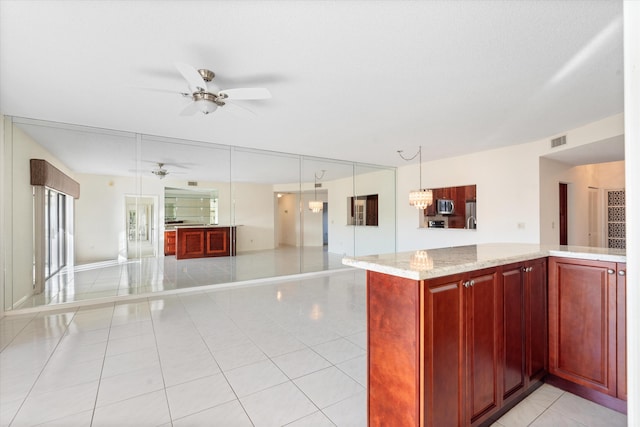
(237, 109)
(192, 76)
(191, 109)
(247, 93)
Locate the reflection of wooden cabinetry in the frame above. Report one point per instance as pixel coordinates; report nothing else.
(199, 242)
(170, 242)
(587, 328)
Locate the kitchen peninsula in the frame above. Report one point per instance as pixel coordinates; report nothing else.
(198, 241)
(458, 336)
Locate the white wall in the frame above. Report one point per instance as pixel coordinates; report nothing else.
(3, 229)
(287, 220)
(362, 240)
(513, 204)
(254, 214)
(311, 222)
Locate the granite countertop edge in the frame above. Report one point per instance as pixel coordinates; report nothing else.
(448, 261)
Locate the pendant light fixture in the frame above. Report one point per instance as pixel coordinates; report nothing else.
(315, 205)
(420, 198)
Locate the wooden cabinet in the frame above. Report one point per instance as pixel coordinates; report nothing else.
(443, 338)
(621, 331)
(525, 354)
(199, 242)
(482, 305)
(170, 242)
(455, 350)
(536, 320)
(587, 327)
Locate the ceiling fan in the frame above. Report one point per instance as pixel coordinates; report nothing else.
(160, 172)
(206, 96)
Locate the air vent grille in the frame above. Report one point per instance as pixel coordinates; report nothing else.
(192, 183)
(318, 185)
(556, 142)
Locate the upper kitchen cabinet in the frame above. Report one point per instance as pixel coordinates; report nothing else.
(452, 207)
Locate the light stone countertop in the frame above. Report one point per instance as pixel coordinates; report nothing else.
(171, 227)
(430, 263)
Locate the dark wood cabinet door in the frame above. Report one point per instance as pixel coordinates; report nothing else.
(483, 341)
(621, 331)
(582, 323)
(513, 363)
(217, 242)
(536, 318)
(444, 353)
(169, 242)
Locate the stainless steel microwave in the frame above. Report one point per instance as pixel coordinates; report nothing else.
(444, 206)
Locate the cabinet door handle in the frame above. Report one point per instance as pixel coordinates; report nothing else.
(466, 284)
(473, 283)
(621, 272)
(610, 271)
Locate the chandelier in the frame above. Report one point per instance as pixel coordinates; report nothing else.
(421, 261)
(315, 205)
(420, 198)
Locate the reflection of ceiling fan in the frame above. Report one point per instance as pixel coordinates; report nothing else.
(160, 172)
(206, 95)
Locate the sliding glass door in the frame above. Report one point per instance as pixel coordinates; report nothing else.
(55, 217)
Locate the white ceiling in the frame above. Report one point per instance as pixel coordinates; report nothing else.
(352, 80)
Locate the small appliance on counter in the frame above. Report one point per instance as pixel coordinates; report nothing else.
(434, 223)
(444, 206)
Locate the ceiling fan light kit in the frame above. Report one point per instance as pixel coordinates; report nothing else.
(160, 172)
(206, 97)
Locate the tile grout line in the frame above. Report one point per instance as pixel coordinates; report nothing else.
(44, 365)
(104, 358)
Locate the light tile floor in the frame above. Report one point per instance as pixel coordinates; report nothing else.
(287, 353)
(155, 274)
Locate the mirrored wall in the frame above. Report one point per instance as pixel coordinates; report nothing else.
(157, 213)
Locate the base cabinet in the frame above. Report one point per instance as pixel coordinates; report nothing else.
(194, 242)
(525, 350)
(454, 350)
(587, 325)
(170, 242)
(482, 306)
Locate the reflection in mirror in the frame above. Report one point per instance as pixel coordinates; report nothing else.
(117, 242)
(371, 179)
(363, 210)
(452, 207)
(190, 207)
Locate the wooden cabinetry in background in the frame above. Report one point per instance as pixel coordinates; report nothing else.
(170, 242)
(587, 328)
(200, 242)
(460, 195)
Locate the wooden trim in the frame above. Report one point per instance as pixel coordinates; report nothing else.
(45, 174)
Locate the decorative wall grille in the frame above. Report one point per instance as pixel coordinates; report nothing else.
(616, 221)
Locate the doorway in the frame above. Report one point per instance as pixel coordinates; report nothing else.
(563, 217)
(141, 228)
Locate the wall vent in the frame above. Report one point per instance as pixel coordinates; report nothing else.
(318, 185)
(192, 183)
(556, 142)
